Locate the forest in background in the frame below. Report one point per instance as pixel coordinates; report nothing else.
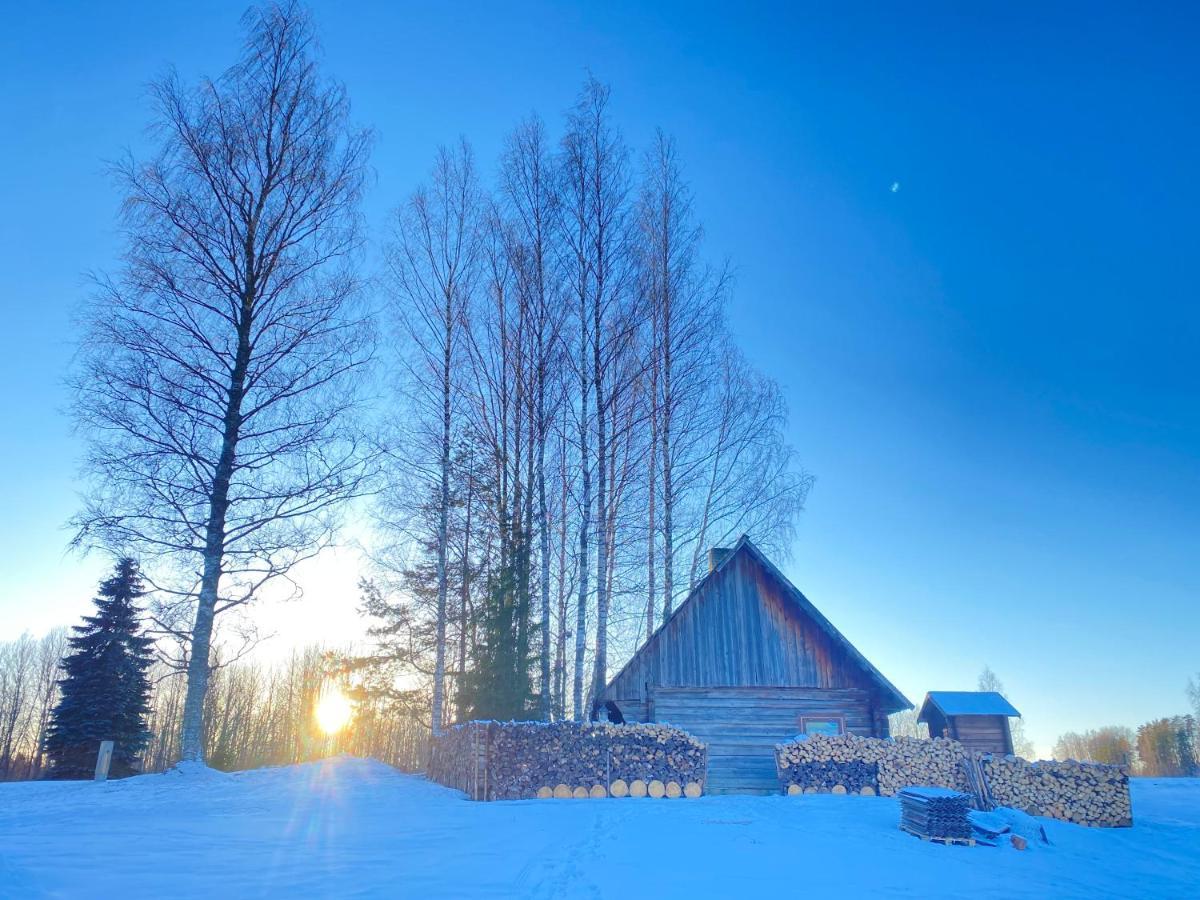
(262, 714)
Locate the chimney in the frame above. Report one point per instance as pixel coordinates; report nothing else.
(716, 556)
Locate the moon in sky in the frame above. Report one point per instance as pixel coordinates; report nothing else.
(895, 187)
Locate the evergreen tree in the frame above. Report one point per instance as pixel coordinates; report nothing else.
(105, 688)
(499, 686)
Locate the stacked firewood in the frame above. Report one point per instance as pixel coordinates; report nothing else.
(570, 759)
(458, 758)
(937, 763)
(868, 765)
(1083, 793)
(852, 777)
(932, 812)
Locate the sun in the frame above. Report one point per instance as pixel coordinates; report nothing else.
(333, 711)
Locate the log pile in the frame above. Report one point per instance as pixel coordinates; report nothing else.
(569, 759)
(883, 766)
(1083, 793)
(458, 758)
(937, 813)
(826, 777)
(936, 763)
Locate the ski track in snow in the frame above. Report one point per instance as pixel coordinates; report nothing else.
(357, 828)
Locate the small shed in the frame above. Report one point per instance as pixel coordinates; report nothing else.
(747, 661)
(976, 719)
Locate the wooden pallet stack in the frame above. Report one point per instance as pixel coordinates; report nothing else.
(937, 814)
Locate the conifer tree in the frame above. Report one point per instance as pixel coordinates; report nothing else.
(499, 686)
(105, 688)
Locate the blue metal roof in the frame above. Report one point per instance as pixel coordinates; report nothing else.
(968, 703)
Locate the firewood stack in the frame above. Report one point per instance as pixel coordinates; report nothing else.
(570, 759)
(866, 765)
(937, 813)
(827, 777)
(937, 763)
(1083, 793)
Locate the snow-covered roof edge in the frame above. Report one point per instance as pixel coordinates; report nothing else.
(967, 703)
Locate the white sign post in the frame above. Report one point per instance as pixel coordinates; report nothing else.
(104, 760)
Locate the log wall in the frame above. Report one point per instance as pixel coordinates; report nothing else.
(741, 726)
(517, 760)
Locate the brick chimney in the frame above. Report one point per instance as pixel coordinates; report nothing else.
(716, 556)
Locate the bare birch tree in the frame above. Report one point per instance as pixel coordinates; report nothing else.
(749, 482)
(597, 187)
(216, 383)
(532, 202)
(687, 302)
(434, 264)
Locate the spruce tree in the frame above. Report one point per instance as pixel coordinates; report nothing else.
(105, 687)
(499, 685)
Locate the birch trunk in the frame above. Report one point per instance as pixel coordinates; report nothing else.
(192, 733)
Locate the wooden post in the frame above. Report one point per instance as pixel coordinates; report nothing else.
(104, 760)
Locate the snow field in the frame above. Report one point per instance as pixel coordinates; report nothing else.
(357, 828)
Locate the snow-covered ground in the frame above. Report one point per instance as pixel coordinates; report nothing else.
(356, 828)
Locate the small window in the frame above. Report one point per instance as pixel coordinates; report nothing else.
(822, 725)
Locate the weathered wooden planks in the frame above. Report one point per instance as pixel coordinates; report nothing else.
(738, 665)
(744, 626)
(742, 725)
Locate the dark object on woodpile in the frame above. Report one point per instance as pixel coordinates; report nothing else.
(937, 813)
(611, 711)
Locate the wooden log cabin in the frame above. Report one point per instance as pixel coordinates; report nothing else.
(976, 719)
(746, 661)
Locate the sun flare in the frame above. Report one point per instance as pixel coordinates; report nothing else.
(333, 711)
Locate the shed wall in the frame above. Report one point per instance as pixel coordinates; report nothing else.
(987, 733)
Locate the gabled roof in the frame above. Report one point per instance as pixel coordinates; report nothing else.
(967, 703)
(803, 605)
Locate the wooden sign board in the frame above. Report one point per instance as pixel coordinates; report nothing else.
(104, 760)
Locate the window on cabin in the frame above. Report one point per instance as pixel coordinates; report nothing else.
(822, 725)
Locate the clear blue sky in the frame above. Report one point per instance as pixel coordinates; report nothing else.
(994, 371)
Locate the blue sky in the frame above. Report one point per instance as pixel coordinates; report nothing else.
(993, 370)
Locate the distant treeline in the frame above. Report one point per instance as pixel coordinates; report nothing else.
(1162, 747)
(256, 713)
(260, 713)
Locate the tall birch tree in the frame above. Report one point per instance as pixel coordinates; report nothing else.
(434, 264)
(215, 388)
